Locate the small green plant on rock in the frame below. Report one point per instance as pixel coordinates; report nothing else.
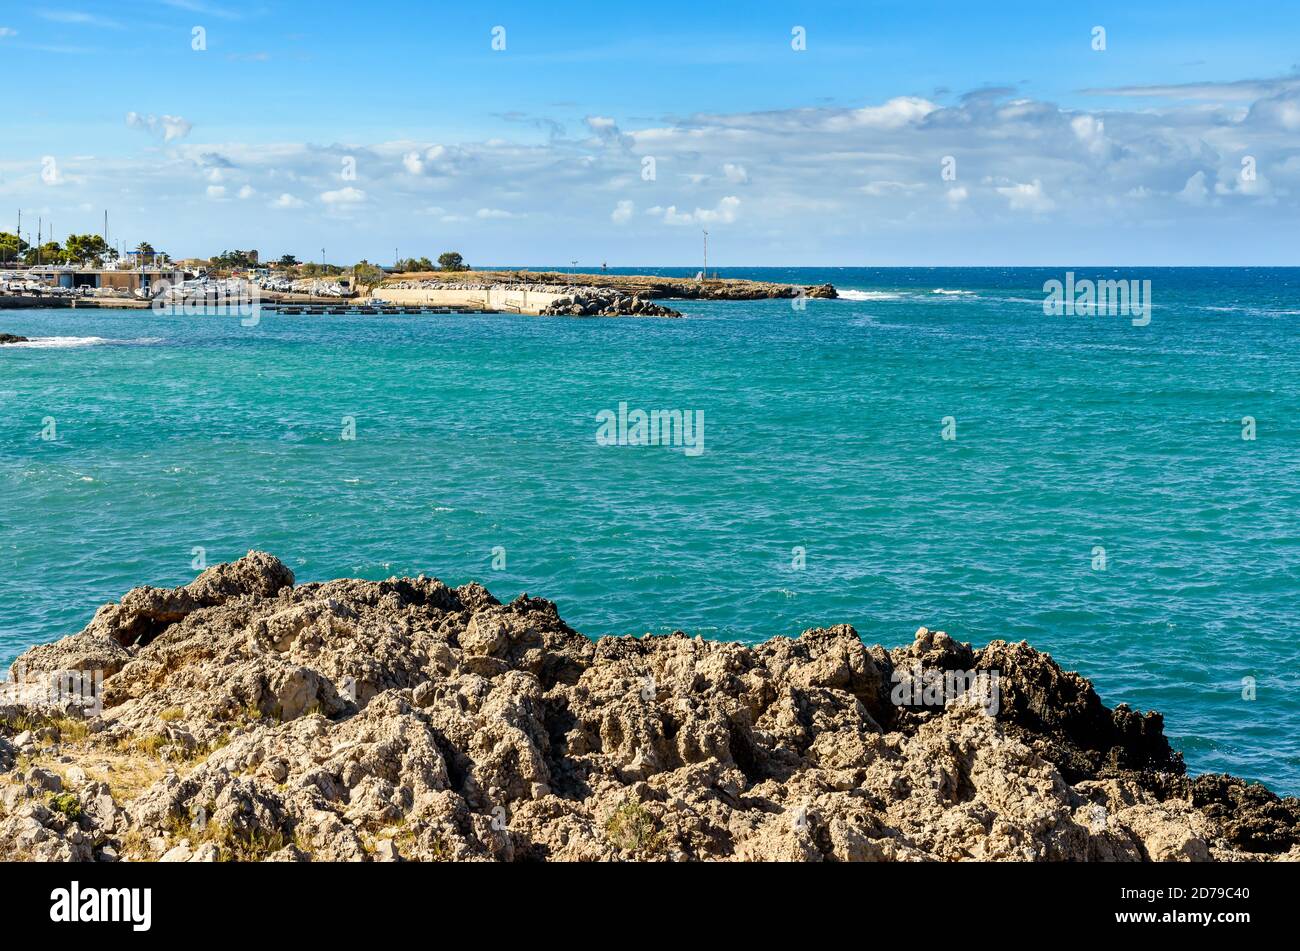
(632, 828)
(67, 804)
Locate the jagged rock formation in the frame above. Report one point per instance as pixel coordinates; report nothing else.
(12, 338)
(246, 718)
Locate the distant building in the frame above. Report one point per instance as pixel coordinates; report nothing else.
(129, 280)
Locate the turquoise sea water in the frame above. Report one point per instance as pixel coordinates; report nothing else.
(822, 431)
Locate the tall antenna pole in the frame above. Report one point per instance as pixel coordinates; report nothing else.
(39, 222)
(706, 255)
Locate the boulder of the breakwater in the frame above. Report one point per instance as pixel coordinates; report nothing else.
(246, 717)
(600, 302)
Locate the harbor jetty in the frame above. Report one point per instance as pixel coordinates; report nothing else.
(553, 293)
(645, 286)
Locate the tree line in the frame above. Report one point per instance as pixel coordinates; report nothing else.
(83, 250)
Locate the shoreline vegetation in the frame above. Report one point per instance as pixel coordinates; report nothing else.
(246, 717)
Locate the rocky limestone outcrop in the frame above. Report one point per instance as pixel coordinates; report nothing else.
(245, 717)
(644, 286)
(12, 338)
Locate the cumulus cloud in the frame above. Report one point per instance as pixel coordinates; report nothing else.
(1020, 166)
(723, 213)
(1027, 197)
(607, 131)
(343, 196)
(735, 173)
(169, 128)
(1281, 111)
(418, 161)
(1195, 191)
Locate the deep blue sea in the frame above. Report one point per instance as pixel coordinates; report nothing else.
(823, 433)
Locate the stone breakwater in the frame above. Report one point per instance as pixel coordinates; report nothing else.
(653, 287)
(619, 294)
(547, 300)
(245, 717)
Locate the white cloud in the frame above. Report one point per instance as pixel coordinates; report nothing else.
(247, 192)
(419, 161)
(828, 176)
(1235, 90)
(7, 31)
(1281, 111)
(1194, 191)
(723, 213)
(735, 174)
(1027, 197)
(79, 18)
(897, 112)
(880, 189)
(169, 127)
(343, 196)
(1091, 133)
(216, 191)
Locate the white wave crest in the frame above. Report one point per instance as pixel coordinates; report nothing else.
(869, 295)
(60, 343)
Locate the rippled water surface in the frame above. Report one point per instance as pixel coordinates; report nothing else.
(822, 432)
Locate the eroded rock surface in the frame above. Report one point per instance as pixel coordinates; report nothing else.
(243, 717)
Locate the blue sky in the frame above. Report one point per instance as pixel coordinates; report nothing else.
(365, 128)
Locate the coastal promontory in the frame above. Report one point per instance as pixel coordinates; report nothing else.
(244, 716)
